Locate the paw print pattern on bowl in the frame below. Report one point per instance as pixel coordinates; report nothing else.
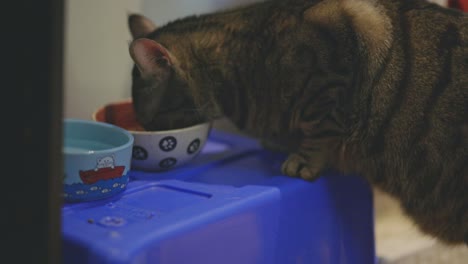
(155, 151)
(167, 163)
(194, 146)
(168, 143)
(139, 153)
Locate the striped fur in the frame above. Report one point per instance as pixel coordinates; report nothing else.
(374, 87)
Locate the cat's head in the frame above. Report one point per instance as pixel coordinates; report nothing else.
(161, 94)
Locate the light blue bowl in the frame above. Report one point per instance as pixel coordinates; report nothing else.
(97, 159)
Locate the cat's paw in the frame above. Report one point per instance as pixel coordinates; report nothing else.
(298, 166)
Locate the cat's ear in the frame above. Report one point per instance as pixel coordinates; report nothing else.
(150, 56)
(140, 26)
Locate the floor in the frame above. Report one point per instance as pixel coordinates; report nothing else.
(397, 240)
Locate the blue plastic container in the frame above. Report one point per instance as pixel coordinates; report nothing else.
(229, 205)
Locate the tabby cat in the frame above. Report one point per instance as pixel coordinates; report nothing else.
(374, 87)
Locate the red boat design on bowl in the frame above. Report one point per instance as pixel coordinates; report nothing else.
(92, 176)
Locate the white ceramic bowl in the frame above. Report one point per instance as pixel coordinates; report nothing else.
(155, 150)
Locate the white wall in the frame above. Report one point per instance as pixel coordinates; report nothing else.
(440, 2)
(163, 11)
(96, 65)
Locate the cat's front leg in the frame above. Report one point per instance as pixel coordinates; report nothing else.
(307, 166)
(311, 159)
(320, 143)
